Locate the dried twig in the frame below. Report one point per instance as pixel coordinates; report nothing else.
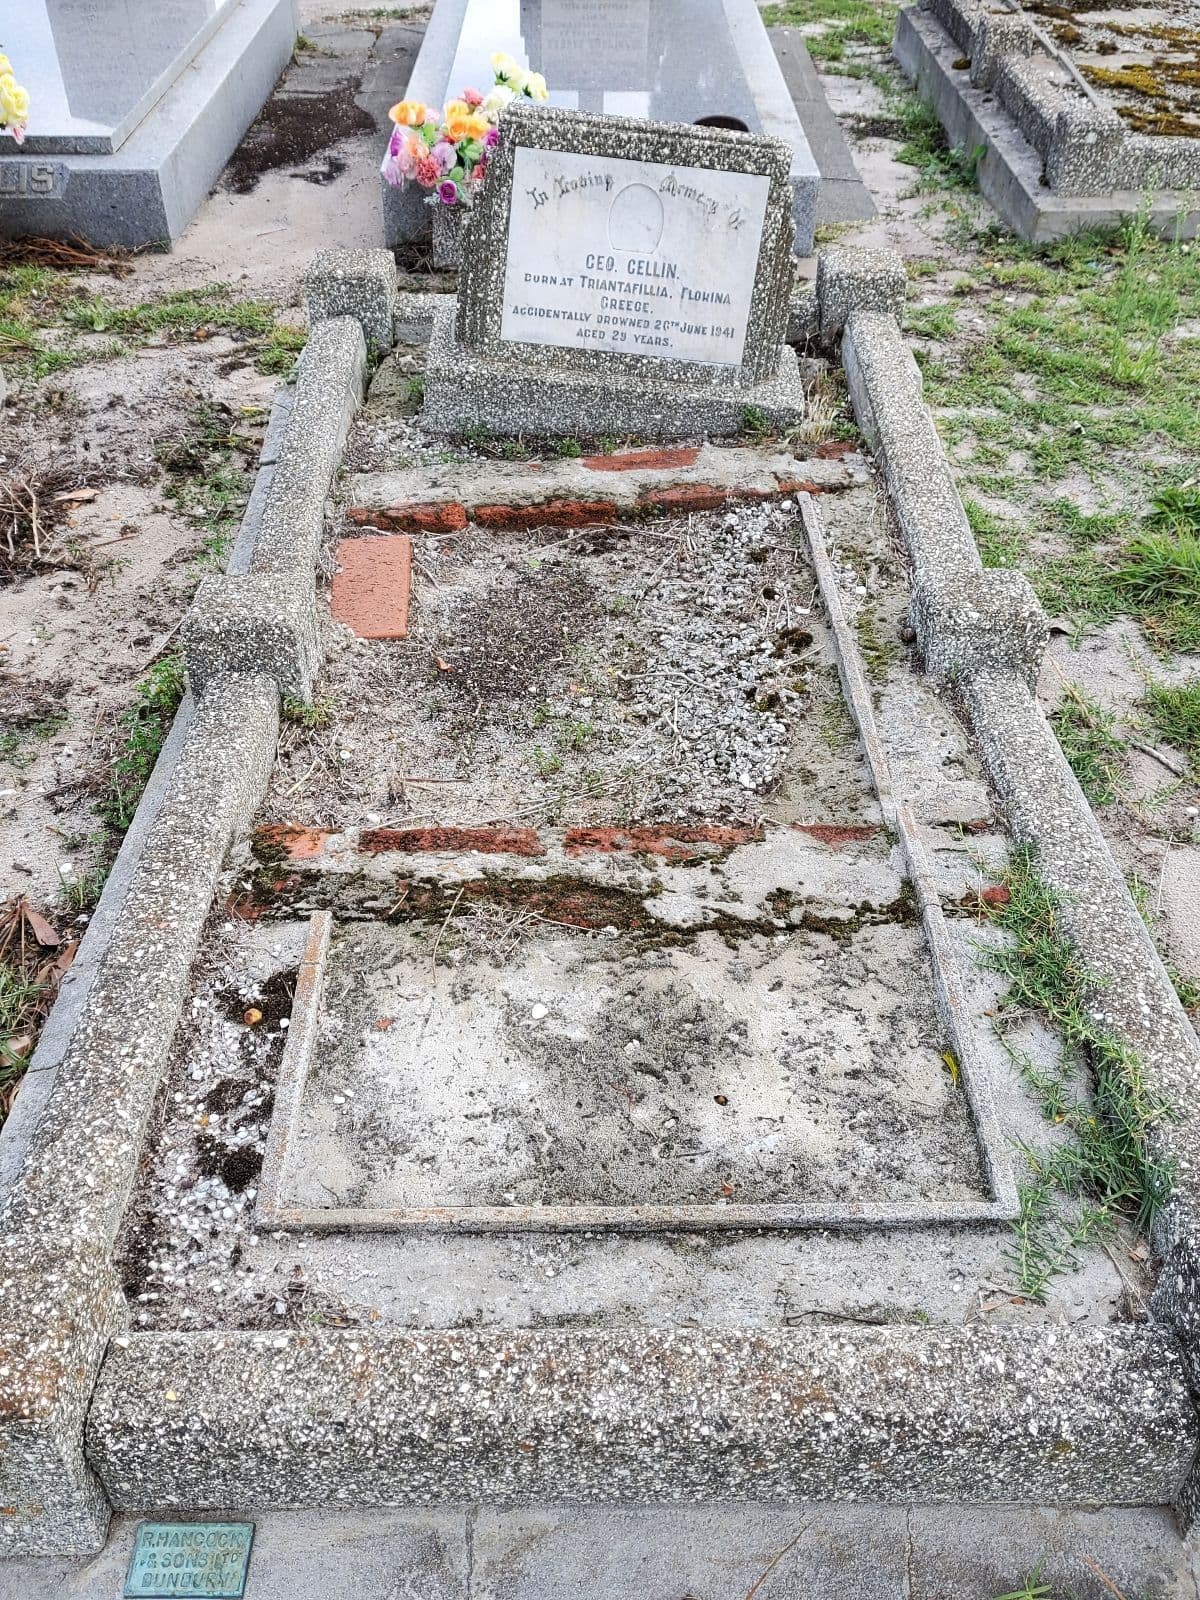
(438, 941)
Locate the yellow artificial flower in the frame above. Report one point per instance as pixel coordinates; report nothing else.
(408, 113)
(14, 101)
(535, 87)
(5, 64)
(504, 66)
(464, 123)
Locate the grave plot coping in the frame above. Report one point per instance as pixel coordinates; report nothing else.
(1057, 159)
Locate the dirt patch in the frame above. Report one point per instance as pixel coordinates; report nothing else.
(291, 129)
(584, 1072)
(509, 636)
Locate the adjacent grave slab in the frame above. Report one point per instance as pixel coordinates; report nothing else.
(620, 277)
(669, 61)
(134, 110)
(1059, 153)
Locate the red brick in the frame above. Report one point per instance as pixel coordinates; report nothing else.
(412, 516)
(836, 834)
(546, 514)
(684, 497)
(636, 460)
(833, 449)
(676, 841)
(498, 839)
(371, 585)
(996, 896)
(299, 843)
(799, 486)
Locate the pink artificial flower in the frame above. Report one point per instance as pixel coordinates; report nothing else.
(427, 171)
(448, 193)
(492, 138)
(445, 155)
(472, 97)
(406, 155)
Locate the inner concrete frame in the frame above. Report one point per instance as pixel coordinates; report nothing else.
(1053, 158)
(149, 188)
(276, 1210)
(95, 1416)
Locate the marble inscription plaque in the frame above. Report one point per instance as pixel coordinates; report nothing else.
(631, 256)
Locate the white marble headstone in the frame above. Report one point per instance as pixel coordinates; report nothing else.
(631, 256)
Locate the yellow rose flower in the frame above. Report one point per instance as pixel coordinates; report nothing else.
(535, 87)
(504, 66)
(5, 64)
(408, 113)
(465, 124)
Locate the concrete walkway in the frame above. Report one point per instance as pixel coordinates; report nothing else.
(701, 1553)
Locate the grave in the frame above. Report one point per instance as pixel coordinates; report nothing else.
(677, 61)
(564, 1058)
(620, 277)
(134, 109)
(1078, 123)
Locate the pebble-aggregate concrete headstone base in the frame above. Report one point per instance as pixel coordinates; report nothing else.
(972, 1411)
(480, 377)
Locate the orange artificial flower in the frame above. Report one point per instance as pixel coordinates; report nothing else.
(408, 113)
(463, 123)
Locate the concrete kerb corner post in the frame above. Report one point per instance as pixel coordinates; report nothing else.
(354, 283)
(851, 278)
(998, 36)
(1087, 150)
(61, 1301)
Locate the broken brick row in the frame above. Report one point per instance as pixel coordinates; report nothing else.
(419, 516)
(672, 841)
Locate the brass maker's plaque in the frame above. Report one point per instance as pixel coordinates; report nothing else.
(190, 1558)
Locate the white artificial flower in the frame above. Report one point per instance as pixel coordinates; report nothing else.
(535, 86)
(495, 102)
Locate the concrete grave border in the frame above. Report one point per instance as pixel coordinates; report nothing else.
(93, 1416)
(1056, 160)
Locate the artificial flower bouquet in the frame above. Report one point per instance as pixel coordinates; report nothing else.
(14, 102)
(448, 156)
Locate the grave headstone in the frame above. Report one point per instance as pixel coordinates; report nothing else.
(687, 61)
(134, 108)
(621, 276)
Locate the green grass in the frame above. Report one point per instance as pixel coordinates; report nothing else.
(1088, 364)
(1160, 582)
(1174, 713)
(839, 23)
(1103, 1168)
(142, 729)
(1091, 744)
(48, 322)
(207, 476)
(309, 714)
(280, 351)
(930, 322)
(1032, 1587)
